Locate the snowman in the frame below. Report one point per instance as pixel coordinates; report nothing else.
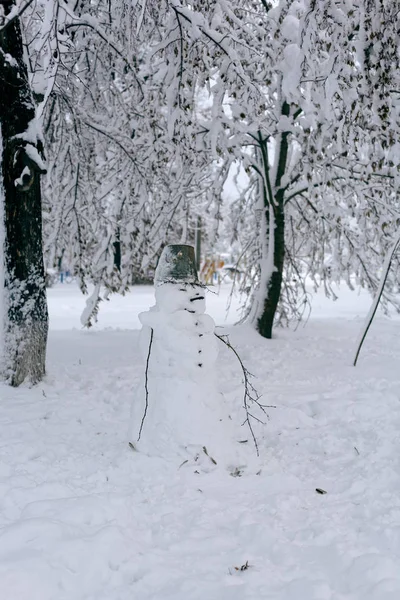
(177, 407)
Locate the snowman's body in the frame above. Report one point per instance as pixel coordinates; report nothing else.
(178, 406)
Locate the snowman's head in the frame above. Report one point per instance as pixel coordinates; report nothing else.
(171, 297)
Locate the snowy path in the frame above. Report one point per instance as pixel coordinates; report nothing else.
(83, 517)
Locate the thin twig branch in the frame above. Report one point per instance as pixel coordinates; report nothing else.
(386, 267)
(250, 393)
(146, 381)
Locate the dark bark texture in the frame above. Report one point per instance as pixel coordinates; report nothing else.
(117, 250)
(26, 319)
(276, 197)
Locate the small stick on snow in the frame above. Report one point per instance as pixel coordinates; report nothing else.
(243, 567)
(210, 457)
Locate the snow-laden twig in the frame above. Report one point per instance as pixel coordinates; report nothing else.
(385, 271)
(92, 307)
(250, 392)
(146, 381)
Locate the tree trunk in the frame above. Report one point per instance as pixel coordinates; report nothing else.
(197, 240)
(276, 197)
(117, 250)
(266, 320)
(25, 306)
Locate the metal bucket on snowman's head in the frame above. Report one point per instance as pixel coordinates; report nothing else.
(177, 264)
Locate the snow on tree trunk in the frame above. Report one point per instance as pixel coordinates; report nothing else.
(272, 232)
(25, 306)
(178, 408)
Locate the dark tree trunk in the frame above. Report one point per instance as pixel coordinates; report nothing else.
(26, 318)
(266, 321)
(117, 250)
(198, 244)
(276, 196)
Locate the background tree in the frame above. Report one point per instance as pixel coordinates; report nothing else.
(151, 107)
(127, 171)
(317, 174)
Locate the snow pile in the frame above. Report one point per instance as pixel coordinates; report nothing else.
(84, 517)
(177, 406)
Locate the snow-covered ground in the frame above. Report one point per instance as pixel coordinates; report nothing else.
(85, 517)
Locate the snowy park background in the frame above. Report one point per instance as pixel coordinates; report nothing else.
(266, 135)
(84, 517)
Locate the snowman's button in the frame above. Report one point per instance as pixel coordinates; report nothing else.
(200, 364)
